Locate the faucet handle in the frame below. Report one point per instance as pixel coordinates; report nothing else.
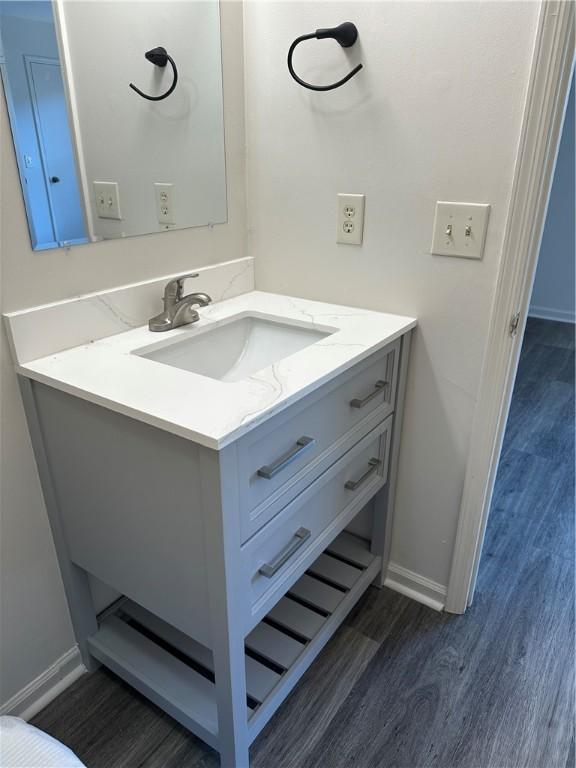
(174, 288)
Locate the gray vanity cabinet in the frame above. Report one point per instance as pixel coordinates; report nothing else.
(235, 566)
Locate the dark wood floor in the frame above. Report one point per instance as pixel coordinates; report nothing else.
(401, 686)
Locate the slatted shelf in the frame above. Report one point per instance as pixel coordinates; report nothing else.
(335, 571)
(275, 646)
(317, 594)
(168, 682)
(177, 672)
(296, 618)
(260, 679)
(332, 585)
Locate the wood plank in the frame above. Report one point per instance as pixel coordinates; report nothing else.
(297, 618)
(274, 645)
(260, 680)
(335, 571)
(317, 593)
(352, 548)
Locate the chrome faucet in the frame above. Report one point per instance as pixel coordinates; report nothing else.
(178, 308)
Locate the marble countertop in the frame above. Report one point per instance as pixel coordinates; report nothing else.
(208, 411)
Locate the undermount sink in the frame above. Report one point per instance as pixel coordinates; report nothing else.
(235, 349)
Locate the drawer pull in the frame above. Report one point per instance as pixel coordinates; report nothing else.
(360, 403)
(353, 485)
(269, 569)
(269, 470)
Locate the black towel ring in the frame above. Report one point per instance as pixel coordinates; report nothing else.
(346, 34)
(158, 56)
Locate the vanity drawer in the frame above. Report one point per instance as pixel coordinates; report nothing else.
(280, 553)
(278, 460)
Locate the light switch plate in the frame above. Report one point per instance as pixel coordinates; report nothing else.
(107, 200)
(350, 219)
(460, 229)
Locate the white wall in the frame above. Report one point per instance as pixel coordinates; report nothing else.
(434, 115)
(553, 291)
(34, 619)
(135, 142)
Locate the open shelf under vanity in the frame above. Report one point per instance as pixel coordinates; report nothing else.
(177, 673)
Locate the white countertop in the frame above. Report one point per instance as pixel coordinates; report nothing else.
(208, 411)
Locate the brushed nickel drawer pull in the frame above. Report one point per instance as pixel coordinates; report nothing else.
(360, 403)
(353, 485)
(269, 470)
(269, 569)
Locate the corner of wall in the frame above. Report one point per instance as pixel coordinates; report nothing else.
(415, 586)
(44, 688)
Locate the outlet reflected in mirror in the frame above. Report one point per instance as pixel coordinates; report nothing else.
(97, 160)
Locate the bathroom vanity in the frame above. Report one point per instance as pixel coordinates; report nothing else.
(213, 476)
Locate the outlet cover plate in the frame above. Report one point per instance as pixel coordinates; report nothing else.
(164, 195)
(451, 224)
(350, 219)
(107, 198)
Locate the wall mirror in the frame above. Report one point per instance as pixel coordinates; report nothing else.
(97, 157)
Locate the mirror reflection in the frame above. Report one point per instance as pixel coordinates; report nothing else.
(116, 114)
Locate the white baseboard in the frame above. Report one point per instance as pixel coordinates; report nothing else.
(549, 313)
(43, 689)
(415, 586)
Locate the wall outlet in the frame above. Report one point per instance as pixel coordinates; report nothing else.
(107, 200)
(165, 203)
(460, 229)
(350, 219)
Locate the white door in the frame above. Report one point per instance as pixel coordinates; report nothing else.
(54, 138)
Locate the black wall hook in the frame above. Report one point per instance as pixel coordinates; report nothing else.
(346, 34)
(158, 56)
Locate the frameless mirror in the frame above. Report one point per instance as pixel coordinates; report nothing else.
(117, 115)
